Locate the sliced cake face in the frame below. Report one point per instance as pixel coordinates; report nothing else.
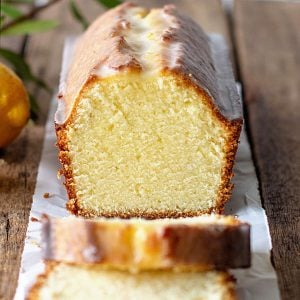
(65, 282)
(142, 127)
(200, 243)
(145, 146)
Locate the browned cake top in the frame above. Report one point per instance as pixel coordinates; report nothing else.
(149, 41)
(205, 242)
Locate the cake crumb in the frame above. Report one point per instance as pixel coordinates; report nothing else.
(2, 162)
(46, 195)
(35, 243)
(33, 219)
(59, 173)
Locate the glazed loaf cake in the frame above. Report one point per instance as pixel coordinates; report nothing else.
(200, 243)
(148, 119)
(65, 282)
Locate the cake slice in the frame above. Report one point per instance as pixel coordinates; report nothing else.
(65, 282)
(200, 243)
(148, 119)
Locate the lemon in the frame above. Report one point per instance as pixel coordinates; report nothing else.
(14, 106)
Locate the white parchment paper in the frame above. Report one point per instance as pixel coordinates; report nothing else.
(255, 283)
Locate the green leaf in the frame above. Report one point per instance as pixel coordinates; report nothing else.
(29, 27)
(78, 15)
(41, 83)
(10, 11)
(17, 62)
(34, 107)
(109, 3)
(22, 68)
(2, 18)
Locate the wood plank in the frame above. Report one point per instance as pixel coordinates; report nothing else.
(18, 170)
(14, 176)
(268, 46)
(19, 162)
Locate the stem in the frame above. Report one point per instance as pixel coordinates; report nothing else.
(34, 11)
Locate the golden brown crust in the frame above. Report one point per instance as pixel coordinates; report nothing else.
(224, 193)
(149, 245)
(197, 63)
(227, 280)
(233, 127)
(101, 44)
(194, 68)
(104, 45)
(33, 293)
(75, 208)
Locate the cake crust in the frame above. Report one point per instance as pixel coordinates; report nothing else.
(213, 243)
(185, 51)
(226, 281)
(192, 65)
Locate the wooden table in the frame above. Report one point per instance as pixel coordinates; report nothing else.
(265, 42)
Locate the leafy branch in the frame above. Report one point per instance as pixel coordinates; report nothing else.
(21, 23)
(77, 14)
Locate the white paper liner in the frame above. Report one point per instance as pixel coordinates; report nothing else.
(257, 282)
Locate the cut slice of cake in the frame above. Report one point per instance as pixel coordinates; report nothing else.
(65, 282)
(148, 119)
(200, 243)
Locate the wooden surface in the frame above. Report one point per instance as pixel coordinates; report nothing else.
(272, 142)
(19, 162)
(268, 47)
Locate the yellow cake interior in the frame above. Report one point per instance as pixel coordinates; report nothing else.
(67, 282)
(145, 144)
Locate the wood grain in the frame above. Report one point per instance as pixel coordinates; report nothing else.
(19, 162)
(18, 170)
(268, 46)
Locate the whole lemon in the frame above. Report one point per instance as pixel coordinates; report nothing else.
(14, 106)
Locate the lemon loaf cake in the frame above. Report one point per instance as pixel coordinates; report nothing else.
(200, 243)
(65, 282)
(148, 119)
